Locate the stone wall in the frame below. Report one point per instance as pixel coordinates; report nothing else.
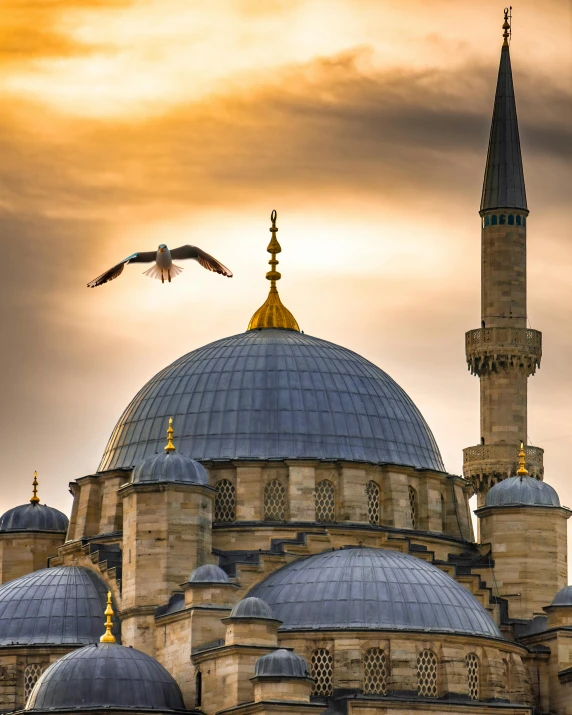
(22, 553)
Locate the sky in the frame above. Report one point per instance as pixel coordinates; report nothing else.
(125, 124)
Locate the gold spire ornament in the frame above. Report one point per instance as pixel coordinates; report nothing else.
(273, 314)
(35, 499)
(108, 636)
(522, 470)
(506, 25)
(170, 447)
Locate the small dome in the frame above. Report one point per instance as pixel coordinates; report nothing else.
(209, 573)
(374, 589)
(170, 467)
(252, 608)
(281, 664)
(106, 675)
(59, 606)
(522, 491)
(33, 517)
(563, 597)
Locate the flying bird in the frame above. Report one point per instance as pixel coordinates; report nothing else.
(163, 264)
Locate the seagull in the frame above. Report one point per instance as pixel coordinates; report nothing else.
(163, 264)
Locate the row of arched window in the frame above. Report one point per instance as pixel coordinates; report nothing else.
(375, 673)
(275, 502)
(510, 219)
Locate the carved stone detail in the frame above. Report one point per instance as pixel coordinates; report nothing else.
(486, 464)
(494, 349)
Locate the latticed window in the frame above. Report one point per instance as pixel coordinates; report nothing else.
(427, 674)
(325, 501)
(225, 502)
(374, 672)
(373, 503)
(321, 667)
(31, 675)
(275, 501)
(472, 663)
(413, 507)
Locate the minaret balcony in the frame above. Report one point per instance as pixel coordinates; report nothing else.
(503, 348)
(486, 464)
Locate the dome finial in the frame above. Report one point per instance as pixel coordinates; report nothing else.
(170, 447)
(273, 314)
(506, 25)
(108, 636)
(35, 499)
(522, 470)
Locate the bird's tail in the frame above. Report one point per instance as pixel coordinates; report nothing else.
(158, 274)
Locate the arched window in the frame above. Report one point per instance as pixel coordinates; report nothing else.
(413, 507)
(511, 219)
(493, 220)
(524, 220)
(373, 503)
(518, 220)
(374, 672)
(325, 501)
(31, 676)
(502, 219)
(427, 674)
(472, 663)
(225, 501)
(443, 515)
(275, 501)
(321, 670)
(198, 689)
(487, 220)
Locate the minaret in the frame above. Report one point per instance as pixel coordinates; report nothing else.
(503, 352)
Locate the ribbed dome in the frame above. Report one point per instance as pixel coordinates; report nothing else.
(170, 467)
(563, 597)
(364, 588)
(281, 663)
(252, 608)
(63, 605)
(522, 491)
(209, 573)
(106, 675)
(274, 394)
(33, 517)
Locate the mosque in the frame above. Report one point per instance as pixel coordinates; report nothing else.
(271, 529)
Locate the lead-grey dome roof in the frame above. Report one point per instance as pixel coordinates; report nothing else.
(33, 517)
(252, 607)
(106, 675)
(522, 491)
(209, 573)
(281, 663)
(274, 394)
(170, 467)
(63, 605)
(378, 589)
(563, 597)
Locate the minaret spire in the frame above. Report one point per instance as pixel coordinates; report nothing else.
(504, 351)
(35, 499)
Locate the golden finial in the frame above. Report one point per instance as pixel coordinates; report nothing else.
(522, 470)
(273, 314)
(35, 499)
(108, 636)
(506, 25)
(170, 447)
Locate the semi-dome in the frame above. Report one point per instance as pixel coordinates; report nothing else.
(274, 394)
(170, 467)
(105, 675)
(522, 491)
(378, 589)
(252, 607)
(281, 663)
(59, 606)
(34, 517)
(209, 573)
(563, 597)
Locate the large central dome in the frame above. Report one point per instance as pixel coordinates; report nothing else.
(274, 394)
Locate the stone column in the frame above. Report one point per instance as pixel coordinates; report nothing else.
(249, 492)
(353, 497)
(301, 490)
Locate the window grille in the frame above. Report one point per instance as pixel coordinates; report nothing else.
(225, 502)
(325, 501)
(413, 507)
(472, 663)
(31, 676)
(321, 667)
(374, 672)
(275, 501)
(427, 674)
(373, 503)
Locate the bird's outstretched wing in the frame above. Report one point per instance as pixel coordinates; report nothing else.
(141, 257)
(206, 260)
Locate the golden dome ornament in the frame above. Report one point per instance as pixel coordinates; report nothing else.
(108, 636)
